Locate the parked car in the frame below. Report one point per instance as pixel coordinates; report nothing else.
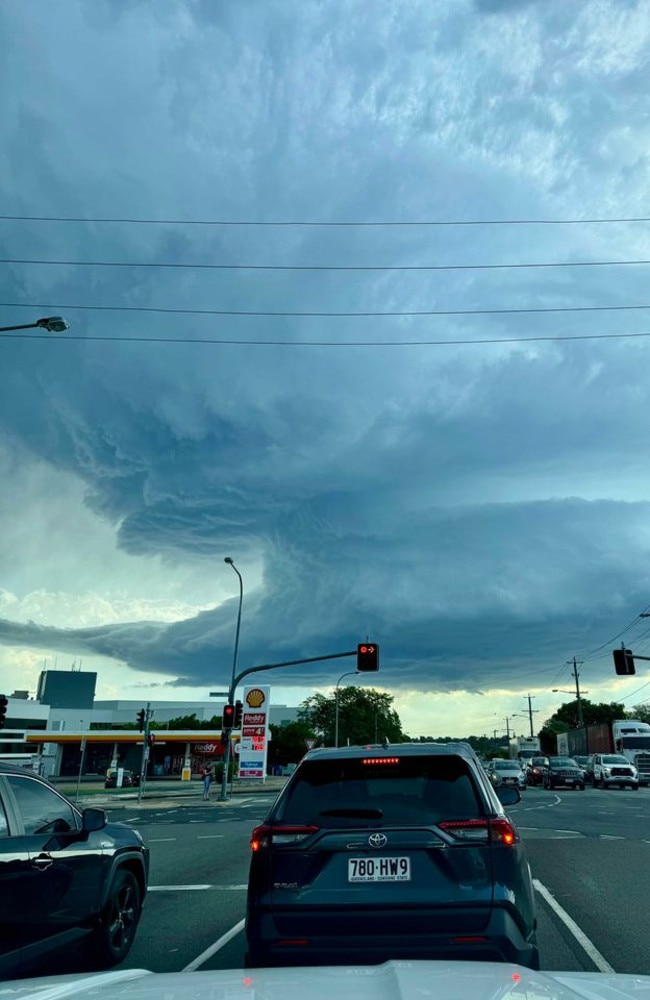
(563, 772)
(507, 772)
(130, 779)
(535, 770)
(374, 853)
(610, 769)
(582, 761)
(66, 875)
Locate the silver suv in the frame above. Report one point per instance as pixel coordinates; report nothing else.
(613, 769)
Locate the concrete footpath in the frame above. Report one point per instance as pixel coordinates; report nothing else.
(159, 794)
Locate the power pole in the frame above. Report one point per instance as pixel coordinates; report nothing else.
(576, 675)
(531, 711)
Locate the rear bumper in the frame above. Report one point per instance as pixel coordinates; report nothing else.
(500, 940)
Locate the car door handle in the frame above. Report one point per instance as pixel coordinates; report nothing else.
(42, 862)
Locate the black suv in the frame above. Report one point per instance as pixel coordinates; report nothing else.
(65, 876)
(374, 853)
(563, 772)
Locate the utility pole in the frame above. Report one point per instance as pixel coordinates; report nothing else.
(148, 716)
(576, 675)
(531, 712)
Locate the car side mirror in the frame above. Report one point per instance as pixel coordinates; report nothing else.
(508, 795)
(93, 819)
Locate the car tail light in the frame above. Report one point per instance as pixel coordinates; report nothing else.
(262, 836)
(494, 831)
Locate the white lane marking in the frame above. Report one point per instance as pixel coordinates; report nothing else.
(210, 836)
(190, 888)
(176, 888)
(609, 836)
(198, 821)
(589, 947)
(214, 948)
(161, 840)
(132, 819)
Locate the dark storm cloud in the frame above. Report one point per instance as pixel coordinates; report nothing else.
(466, 507)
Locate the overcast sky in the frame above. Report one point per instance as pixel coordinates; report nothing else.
(469, 488)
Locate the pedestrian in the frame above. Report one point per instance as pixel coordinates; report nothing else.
(207, 781)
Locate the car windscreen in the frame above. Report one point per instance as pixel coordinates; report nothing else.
(507, 765)
(398, 790)
(563, 762)
(614, 759)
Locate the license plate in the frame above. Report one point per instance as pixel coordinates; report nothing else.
(569, 781)
(379, 869)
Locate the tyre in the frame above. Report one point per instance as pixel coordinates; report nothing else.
(634, 788)
(582, 786)
(111, 941)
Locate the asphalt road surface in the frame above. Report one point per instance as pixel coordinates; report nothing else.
(589, 854)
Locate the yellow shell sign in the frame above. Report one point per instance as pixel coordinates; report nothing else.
(255, 698)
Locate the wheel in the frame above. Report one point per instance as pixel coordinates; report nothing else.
(634, 788)
(111, 941)
(582, 786)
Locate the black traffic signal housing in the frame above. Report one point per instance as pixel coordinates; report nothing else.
(228, 717)
(239, 708)
(141, 716)
(624, 661)
(4, 701)
(367, 656)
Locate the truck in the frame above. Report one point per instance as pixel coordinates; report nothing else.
(522, 748)
(628, 737)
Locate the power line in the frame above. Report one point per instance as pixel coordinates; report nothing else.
(590, 653)
(199, 265)
(343, 314)
(360, 223)
(312, 343)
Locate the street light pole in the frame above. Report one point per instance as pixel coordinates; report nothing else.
(336, 703)
(53, 324)
(231, 689)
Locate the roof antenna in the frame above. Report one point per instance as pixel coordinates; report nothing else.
(385, 742)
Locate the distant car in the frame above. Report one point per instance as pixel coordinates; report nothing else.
(403, 851)
(66, 876)
(535, 770)
(582, 760)
(563, 772)
(506, 772)
(130, 779)
(610, 769)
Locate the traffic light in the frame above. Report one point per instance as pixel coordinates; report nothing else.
(3, 710)
(624, 661)
(228, 719)
(367, 656)
(239, 708)
(141, 716)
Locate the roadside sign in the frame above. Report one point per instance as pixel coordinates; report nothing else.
(310, 744)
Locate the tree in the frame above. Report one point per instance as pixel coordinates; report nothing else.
(365, 716)
(640, 712)
(289, 743)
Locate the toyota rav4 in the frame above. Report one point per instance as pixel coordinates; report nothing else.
(404, 852)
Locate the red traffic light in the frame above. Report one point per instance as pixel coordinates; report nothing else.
(228, 719)
(367, 656)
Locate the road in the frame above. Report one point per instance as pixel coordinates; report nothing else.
(589, 854)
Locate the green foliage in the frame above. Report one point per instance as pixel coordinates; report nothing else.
(365, 716)
(289, 743)
(640, 712)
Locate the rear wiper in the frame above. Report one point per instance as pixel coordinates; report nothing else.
(354, 813)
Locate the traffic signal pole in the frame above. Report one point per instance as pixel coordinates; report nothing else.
(254, 670)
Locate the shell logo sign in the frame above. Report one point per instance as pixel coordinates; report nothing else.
(255, 698)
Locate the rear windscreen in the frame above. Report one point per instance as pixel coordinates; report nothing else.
(401, 790)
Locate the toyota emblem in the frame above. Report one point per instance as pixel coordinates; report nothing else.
(377, 840)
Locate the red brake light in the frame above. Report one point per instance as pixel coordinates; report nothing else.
(263, 835)
(496, 831)
(380, 760)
